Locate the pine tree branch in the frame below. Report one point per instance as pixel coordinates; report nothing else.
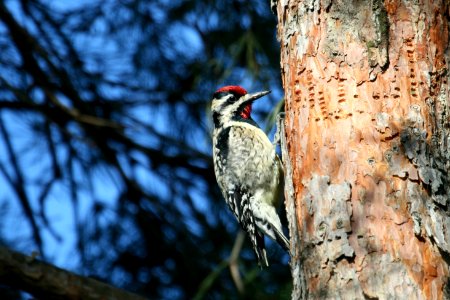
(46, 281)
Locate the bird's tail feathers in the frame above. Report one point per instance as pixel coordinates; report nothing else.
(260, 250)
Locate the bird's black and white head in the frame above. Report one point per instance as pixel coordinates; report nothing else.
(233, 103)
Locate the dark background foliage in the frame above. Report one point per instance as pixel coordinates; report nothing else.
(105, 139)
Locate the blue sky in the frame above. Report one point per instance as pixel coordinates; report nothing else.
(100, 53)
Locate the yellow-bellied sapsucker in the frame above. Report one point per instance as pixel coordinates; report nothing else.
(247, 168)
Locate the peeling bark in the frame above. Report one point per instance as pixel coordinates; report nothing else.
(368, 143)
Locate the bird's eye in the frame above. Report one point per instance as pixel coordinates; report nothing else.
(231, 99)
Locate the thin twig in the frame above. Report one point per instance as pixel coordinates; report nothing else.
(209, 280)
(78, 116)
(18, 185)
(234, 266)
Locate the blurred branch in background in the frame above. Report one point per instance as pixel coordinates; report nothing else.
(234, 265)
(105, 138)
(43, 280)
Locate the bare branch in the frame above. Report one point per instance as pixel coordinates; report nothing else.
(49, 282)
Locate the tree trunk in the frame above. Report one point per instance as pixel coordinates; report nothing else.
(367, 135)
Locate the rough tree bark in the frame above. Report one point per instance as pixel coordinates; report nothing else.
(367, 133)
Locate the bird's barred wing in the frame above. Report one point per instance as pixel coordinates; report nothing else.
(239, 201)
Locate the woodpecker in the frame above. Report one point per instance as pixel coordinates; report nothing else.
(247, 168)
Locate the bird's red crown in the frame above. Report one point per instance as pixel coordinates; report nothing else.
(232, 89)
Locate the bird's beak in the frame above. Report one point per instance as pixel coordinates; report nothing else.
(253, 97)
